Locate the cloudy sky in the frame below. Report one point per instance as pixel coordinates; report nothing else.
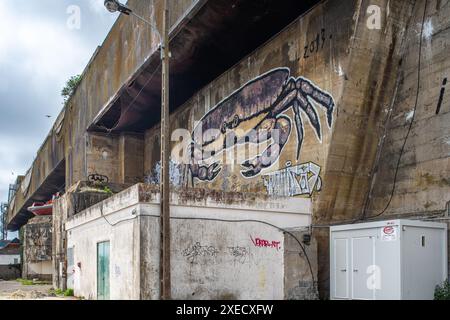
(42, 44)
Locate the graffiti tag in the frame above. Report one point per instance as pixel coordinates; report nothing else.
(197, 250)
(260, 243)
(98, 178)
(294, 181)
(317, 44)
(239, 253)
(176, 174)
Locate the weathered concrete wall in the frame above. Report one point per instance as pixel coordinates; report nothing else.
(423, 180)
(370, 72)
(117, 60)
(59, 238)
(313, 47)
(37, 248)
(48, 157)
(119, 158)
(102, 156)
(300, 267)
(374, 56)
(131, 155)
(422, 186)
(210, 259)
(355, 64)
(122, 53)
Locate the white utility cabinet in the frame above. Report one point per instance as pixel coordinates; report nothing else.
(389, 260)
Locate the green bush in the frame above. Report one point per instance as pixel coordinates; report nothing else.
(442, 292)
(59, 292)
(68, 293)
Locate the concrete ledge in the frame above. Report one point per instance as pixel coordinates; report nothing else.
(284, 212)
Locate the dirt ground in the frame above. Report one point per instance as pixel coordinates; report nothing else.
(14, 290)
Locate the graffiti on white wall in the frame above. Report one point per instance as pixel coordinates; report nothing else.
(301, 180)
(176, 174)
(192, 253)
(239, 254)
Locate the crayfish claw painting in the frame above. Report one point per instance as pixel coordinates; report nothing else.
(256, 114)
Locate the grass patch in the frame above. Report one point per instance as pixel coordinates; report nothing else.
(62, 293)
(26, 282)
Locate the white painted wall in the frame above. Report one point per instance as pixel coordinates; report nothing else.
(40, 268)
(6, 259)
(124, 256)
(210, 259)
(219, 260)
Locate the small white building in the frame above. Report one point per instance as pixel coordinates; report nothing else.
(10, 261)
(388, 260)
(10, 254)
(223, 246)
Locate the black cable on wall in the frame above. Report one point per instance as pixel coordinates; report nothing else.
(419, 73)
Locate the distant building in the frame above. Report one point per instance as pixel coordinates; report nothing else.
(9, 259)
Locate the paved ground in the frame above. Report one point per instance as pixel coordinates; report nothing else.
(14, 290)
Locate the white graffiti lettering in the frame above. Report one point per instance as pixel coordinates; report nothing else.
(299, 180)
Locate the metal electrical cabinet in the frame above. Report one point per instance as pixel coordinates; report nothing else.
(390, 260)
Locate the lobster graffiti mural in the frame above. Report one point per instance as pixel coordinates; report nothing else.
(255, 114)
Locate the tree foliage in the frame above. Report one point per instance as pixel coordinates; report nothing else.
(443, 291)
(70, 87)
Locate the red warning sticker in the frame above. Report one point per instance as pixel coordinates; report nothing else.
(389, 233)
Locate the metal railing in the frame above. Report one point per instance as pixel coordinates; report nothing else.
(12, 192)
(3, 224)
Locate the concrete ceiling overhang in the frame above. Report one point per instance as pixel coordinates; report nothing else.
(205, 45)
(54, 183)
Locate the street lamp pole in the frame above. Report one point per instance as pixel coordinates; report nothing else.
(165, 160)
(165, 275)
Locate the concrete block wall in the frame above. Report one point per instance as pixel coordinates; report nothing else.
(300, 266)
(37, 249)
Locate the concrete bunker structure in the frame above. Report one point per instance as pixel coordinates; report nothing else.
(351, 162)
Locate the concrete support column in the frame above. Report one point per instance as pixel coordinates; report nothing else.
(131, 158)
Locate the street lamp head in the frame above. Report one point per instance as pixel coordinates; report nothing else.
(115, 6)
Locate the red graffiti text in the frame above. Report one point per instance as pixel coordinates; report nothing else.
(260, 243)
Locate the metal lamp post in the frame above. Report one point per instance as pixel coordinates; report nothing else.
(116, 6)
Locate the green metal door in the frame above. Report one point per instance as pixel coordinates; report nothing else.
(103, 271)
